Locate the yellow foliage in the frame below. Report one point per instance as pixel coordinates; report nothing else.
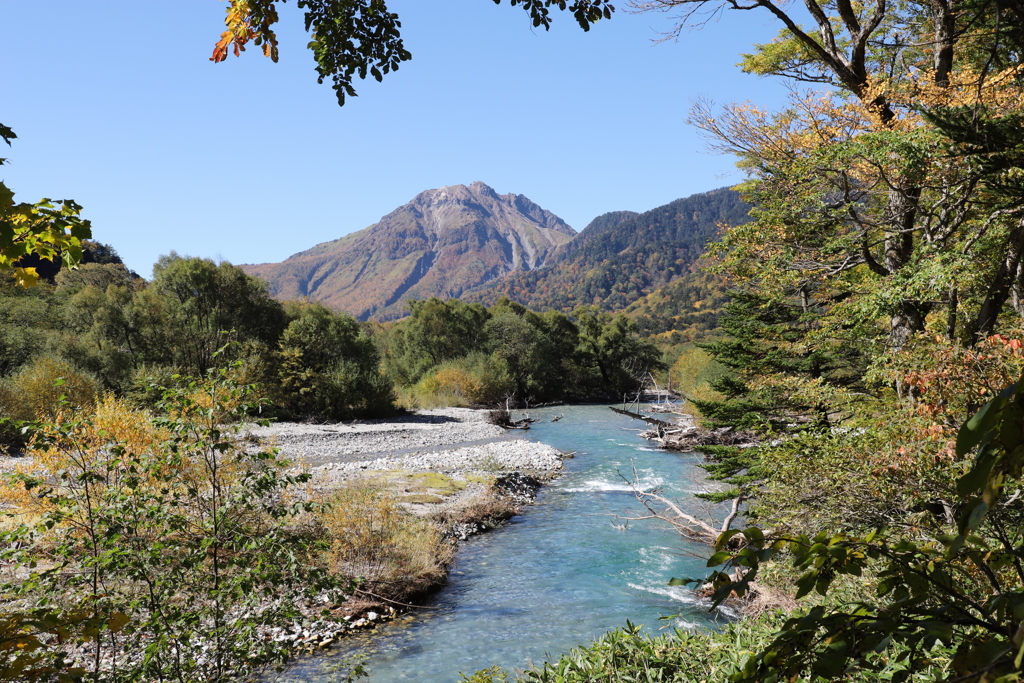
(34, 393)
(457, 382)
(74, 446)
(246, 23)
(692, 373)
(79, 448)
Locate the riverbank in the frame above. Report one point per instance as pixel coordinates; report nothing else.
(449, 467)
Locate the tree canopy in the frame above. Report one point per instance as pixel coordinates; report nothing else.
(894, 183)
(360, 38)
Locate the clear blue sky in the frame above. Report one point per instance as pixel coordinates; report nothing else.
(117, 106)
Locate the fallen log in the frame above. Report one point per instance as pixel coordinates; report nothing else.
(638, 416)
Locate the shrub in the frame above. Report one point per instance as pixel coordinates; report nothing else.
(40, 391)
(393, 553)
(456, 381)
(476, 379)
(628, 654)
(149, 383)
(114, 421)
(44, 388)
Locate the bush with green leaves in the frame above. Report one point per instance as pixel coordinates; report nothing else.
(632, 654)
(178, 543)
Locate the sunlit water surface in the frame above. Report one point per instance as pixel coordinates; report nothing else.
(558, 575)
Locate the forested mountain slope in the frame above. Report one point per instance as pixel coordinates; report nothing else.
(686, 309)
(595, 228)
(614, 265)
(442, 243)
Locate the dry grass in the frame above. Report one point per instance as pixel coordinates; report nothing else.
(375, 540)
(422, 498)
(433, 482)
(489, 509)
(764, 598)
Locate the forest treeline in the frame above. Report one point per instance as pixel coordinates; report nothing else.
(452, 352)
(101, 329)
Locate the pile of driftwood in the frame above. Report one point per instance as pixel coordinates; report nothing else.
(503, 418)
(685, 435)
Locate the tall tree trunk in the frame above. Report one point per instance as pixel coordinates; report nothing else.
(954, 303)
(900, 216)
(1001, 285)
(944, 16)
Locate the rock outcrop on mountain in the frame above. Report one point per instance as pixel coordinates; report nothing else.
(442, 243)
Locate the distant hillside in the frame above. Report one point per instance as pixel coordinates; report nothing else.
(442, 243)
(616, 261)
(686, 309)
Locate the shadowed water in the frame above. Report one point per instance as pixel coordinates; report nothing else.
(558, 575)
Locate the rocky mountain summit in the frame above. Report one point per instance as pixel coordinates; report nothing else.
(442, 243)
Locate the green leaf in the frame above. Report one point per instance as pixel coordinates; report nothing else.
(724, 538)
(754, 535)
(980, 424)
(974, 512)
(979, 473)
(7, 134)
(1012, 426)
(718, 558)
(805, 584)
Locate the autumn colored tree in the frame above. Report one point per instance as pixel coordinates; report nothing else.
(953, 588)
(864, 185)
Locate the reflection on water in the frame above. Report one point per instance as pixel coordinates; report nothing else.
(565, 571)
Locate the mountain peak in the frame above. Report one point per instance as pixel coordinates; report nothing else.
(441, 243)
(480, 186)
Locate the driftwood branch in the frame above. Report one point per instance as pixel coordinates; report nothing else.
(666, 510)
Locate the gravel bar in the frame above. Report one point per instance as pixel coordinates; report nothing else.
(445, 439)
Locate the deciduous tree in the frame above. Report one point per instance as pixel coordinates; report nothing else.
(353, 38)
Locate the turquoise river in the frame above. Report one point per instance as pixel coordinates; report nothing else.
(558, 575)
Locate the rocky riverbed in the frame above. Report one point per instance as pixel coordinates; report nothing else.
(450, 440)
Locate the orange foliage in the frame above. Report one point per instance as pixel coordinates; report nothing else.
(946, 382)
(75, 446)
(247, 21)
